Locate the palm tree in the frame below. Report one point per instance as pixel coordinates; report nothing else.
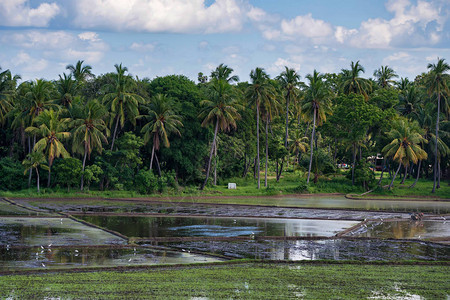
(121, 102)
(410, 101)
(224, 72)
(7, 91)
(66, 89)
(352, 83)
(384, 76)
(39, 95)
(34, 160)
(298, 144)
(289, 80)
(405, 146)
(437, 84)
(79, 72)
(51, 128)
(162, 121)
(88, 132)
(221, 108)
(316, 106)
(256, 93)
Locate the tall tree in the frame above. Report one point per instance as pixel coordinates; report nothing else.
(289, 80)
(223, 72)
(7, 92)
(162, 121)
(221, 109)
(259, 91)
(353, 83)
(88, 133)
(384, 76)
(436, 85)
(66, 89)
(316, 106)
(51, 128)
(122, 102)
(34, 160)
(405, 145)
(79, 72)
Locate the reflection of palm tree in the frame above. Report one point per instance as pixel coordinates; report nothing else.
(437, 84)
(316, 106)
(88, 132)
(384, 76)
(405, 145)
(162, 121)
(256, 93)
(220, 109)
(289, 80)
(35, 160)
(352, 83)
(121, 101)
(51, 129)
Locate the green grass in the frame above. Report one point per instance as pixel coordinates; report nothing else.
(244, 281)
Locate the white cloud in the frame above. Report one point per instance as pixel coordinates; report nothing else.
(278, 66)
(29, 64)
(35, 39)
(306, 26)
(162, 15)
(18, 13)
(89, 36)
(141, 47)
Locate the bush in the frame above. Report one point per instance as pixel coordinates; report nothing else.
(145, 182)
(301, 187)
(11, 175)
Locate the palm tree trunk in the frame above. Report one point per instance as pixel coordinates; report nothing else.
(257, 145)
(354, 164)
(208, 167)
(312, 143)
(37, 174)
(395, 175)
(215, 164)
(406, 174)
(287, 121)
(115, 132)
(267, 149)
(382, 170)
(82, 170)
(418, 174)
(49, 176)
(435, 169)
(153, 155)
(439, 176)
(158, 165)
(31, 169)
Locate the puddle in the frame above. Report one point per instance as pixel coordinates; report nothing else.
(217, 227)
(77, 257)
(424, 229)
(19, 231)
(335, 249)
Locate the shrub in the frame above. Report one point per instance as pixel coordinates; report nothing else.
(145, 182)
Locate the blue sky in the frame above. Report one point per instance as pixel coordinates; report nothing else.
(38, 38)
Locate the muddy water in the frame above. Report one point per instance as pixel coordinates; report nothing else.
(78, 257)
(424, 229)
(217, 227)
(20, 231)
(338, 249)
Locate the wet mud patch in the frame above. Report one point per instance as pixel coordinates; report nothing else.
(15, 258)
(329, 249)
(20, 231)
(9, 209)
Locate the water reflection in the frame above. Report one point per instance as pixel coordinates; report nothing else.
(212, 227)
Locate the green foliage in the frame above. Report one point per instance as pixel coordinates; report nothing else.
(68, 171)
(145, 182)
(11, 175)
(364, 176)
(92, 174)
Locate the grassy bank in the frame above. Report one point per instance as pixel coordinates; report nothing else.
(249, 281)
(289, 184)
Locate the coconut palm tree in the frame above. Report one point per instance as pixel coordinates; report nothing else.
(221, 109)
(34, 160)
(437, 84)
(121, 101)
(316, 105)
(66, 89)
(7, 92)
(224, 72)
(79, 72)
(88, 133)
(260, 90)
(289, 80)
(51, 128)
(410, 101)
(352, 83)
(405, 145)
(39, 94)
(162, 121)
(298, 144)
(384, 76)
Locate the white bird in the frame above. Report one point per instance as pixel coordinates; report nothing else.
(49, 245)
(42, 247)
(43, 265)
(76, 251)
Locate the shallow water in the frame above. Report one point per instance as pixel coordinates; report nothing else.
(406, 229)
(79, 257)
(334, 249)
(20, 231)
(8, 209)
(217, 227)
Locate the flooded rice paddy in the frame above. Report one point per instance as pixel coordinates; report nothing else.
(36, 234)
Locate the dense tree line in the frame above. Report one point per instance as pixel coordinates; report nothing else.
(116, 131)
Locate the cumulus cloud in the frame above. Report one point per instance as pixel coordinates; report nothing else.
(278, 66)
(29, 64)
(162, 15)
(19, 13)
(306, 26)
(142, 47)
